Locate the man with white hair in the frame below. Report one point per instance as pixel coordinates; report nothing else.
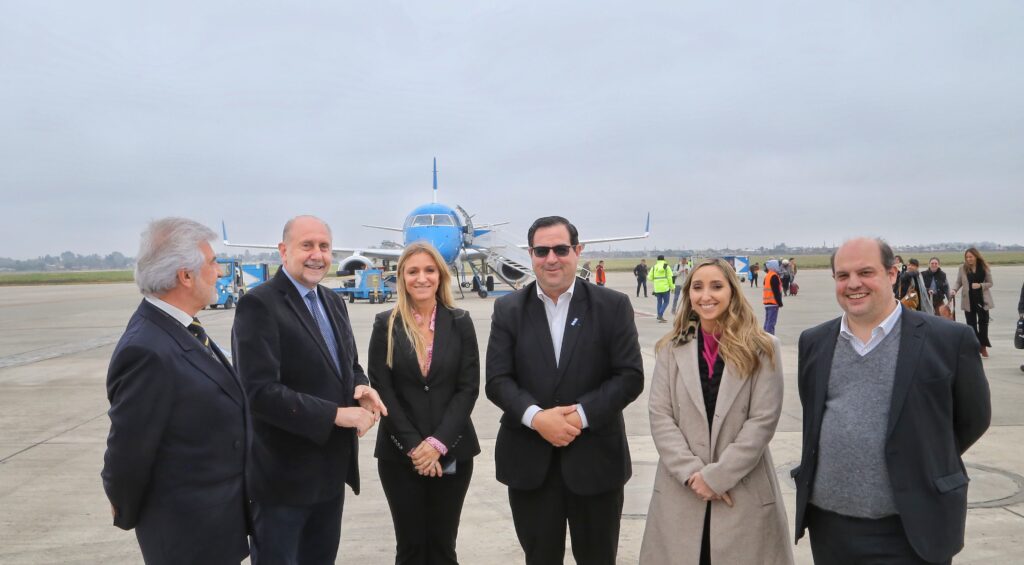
(174, 469)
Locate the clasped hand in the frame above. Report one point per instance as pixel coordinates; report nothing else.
(559, 426)
(701, 489)
(364, 416)
(425, 458)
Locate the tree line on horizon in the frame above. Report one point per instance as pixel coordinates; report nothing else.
(69, 261)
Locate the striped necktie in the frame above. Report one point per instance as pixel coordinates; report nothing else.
(196, 329)
(324, 325)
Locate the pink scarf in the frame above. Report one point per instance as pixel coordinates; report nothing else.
(710, 351)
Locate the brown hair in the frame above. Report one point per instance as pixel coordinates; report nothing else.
(404, 306)
(980, 261)
(743, 341)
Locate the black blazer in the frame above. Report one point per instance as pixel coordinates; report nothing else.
(438, 405)
(940, 407)
(174, 468)
(601, 368)
(299, 456)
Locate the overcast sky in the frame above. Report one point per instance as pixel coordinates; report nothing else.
(733, 123)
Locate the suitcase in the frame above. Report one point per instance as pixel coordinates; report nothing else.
(793, 289)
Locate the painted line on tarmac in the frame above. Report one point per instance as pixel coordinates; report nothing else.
(47, 440)
(35, 356)
(38, 355)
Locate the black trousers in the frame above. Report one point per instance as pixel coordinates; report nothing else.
(843, 540)
(540, 517)
(297, 535)
(425, 510)
(977, 318)
(641, 283)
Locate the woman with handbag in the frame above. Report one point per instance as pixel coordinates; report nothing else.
(973, 281)
(716, 497)
(937, 285)
(424, 363)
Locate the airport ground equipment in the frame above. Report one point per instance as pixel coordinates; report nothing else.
(742, 265)
(369, 284)
(236, 279)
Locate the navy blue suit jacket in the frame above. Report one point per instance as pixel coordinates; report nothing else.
(299, 456)
(174, 468)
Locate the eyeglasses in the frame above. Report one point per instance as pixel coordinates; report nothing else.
(543, 250)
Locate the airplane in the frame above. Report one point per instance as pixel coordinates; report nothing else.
(452, 232)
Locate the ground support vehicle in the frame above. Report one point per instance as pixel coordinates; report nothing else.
(368, 284)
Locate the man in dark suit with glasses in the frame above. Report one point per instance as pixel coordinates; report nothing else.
(562, 363)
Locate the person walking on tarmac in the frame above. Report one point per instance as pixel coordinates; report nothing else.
(771, 296)
(661, 276)
(640, 272)
(600, 277)
(679, 272)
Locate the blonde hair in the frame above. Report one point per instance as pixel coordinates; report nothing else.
(742, 341)
(404, 307)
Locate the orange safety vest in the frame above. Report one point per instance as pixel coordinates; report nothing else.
(767, 296)
(601, 278)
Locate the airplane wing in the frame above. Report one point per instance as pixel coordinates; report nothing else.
(646, 234)
(371, 252)
(388, 228)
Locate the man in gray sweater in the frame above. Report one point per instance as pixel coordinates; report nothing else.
(891, 400)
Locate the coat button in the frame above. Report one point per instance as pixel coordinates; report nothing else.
(426, 388)
(237, 444)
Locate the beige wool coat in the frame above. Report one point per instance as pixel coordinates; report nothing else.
(963, 286)
(732, 456)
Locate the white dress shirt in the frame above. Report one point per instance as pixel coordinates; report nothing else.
(556, 313)
(877, 334)
(172, 311)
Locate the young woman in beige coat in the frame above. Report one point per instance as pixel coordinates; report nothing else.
(715, 400)
(975, 280)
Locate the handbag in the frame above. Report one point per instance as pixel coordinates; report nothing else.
(1018, 338)
(911, 300)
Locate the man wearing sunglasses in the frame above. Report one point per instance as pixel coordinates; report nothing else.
(562, 362)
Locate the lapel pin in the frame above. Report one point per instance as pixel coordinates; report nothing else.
(574, 321)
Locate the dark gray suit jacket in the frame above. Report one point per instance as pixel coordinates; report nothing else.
(940, 407)
(601, 368)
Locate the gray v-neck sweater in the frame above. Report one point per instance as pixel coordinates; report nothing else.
(852, 478)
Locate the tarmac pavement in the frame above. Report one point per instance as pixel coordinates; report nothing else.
(55, 342)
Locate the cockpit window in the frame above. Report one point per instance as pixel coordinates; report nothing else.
(443, 220)
(423, 220)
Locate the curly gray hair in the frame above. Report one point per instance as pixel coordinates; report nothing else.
(169, 245)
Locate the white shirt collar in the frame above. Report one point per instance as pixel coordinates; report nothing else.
(172, 311)
(877, 334)
(546, 298)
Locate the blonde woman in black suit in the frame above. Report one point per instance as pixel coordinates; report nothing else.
(425, 363)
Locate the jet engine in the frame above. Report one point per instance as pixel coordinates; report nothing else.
(349, 265)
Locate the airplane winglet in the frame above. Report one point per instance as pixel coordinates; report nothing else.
(647, 229)
(224, 230)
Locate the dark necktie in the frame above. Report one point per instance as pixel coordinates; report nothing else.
(196, 329)
(324, 325)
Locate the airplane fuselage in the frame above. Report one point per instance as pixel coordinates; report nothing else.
(438, 225)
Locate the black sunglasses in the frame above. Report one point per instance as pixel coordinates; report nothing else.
(543, 250)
